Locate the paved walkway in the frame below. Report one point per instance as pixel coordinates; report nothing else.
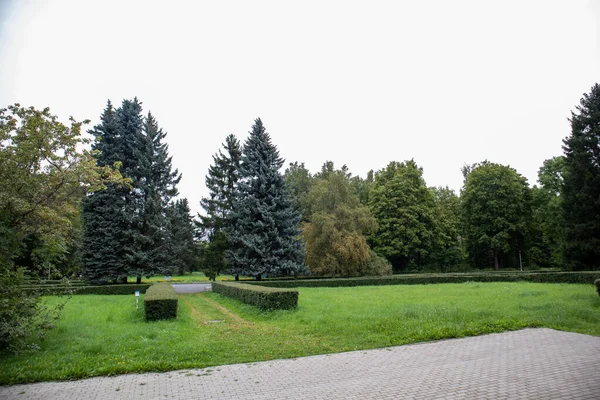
(527, 364)
(191, 287)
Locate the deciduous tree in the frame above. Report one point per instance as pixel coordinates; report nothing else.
(335, 235)
(496, 208)
(404, 210)
(44, 174)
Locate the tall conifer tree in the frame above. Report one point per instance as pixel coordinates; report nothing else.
(181, 243)
(103, 247)
(263, 229)
(581, 190)
(221, 182)
(127, 231)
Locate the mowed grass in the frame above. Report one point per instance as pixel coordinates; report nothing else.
(105, 335)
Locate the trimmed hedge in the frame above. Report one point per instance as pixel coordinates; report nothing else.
(160, 302)
(597, 283)
(422, 279)
(78, 289)
(265, 298)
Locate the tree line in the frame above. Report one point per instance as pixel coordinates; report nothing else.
(391, 222)
(108, 208)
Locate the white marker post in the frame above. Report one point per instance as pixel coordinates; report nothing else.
(137, 297)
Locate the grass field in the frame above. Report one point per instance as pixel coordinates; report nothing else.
(106, 335)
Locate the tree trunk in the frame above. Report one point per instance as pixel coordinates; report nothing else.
(496, 265)
(138, 279)
(237, 277)
(124, 279)
(259, 277)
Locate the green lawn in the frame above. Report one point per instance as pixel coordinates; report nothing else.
(105, 335)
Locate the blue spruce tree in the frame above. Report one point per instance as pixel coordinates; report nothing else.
(263, 232)
(103, 245)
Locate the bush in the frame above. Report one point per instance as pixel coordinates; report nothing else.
(597, 283)
(24, 319)
(422, 279)
(262, 297)
(378, 266)
(160, 302)
(47, 290)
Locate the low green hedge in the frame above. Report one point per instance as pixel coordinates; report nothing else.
(160, 302)
(78, 289)
(421, 279)
(597, 283)
(262, 297)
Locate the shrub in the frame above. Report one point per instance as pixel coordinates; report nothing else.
(378, 266)
(83, 289)
(265, 298)
(24, 319)
(597, 283)
(421, 279)
(160, 302)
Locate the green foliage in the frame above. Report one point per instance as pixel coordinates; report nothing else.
(181, 247)
(581, 194)
(447, 251)
(496, 206)
(377, 266)
(404, 210)
(299, 181)
(334, 236)
(59, 289)
(424, 279)
(126, 229)
(160, 302)
(362, 187)
(43, 177)
(597, 283)
(546, 239)
(24, 321)
(221, 182)
(263, 229)
(265, 298)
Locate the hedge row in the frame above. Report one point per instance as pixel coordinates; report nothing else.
(53, 282)
(102, 289)
(265, 298)
(416, 279)
(160, 302)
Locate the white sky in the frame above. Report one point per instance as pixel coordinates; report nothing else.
(360, 83)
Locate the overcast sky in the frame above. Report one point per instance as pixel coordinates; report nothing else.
(360, 83)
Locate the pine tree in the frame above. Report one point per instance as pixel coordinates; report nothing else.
(126, 229)
(263, 229)
(103, 247)
(136, 150)
(160, 186)
(182, 247)
(581, 190)
(221, 182)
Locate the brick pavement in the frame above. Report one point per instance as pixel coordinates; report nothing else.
(526, 364)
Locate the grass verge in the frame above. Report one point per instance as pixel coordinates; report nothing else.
(106, 335)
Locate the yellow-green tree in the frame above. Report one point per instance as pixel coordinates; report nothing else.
(335, 236)
(44, 175)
